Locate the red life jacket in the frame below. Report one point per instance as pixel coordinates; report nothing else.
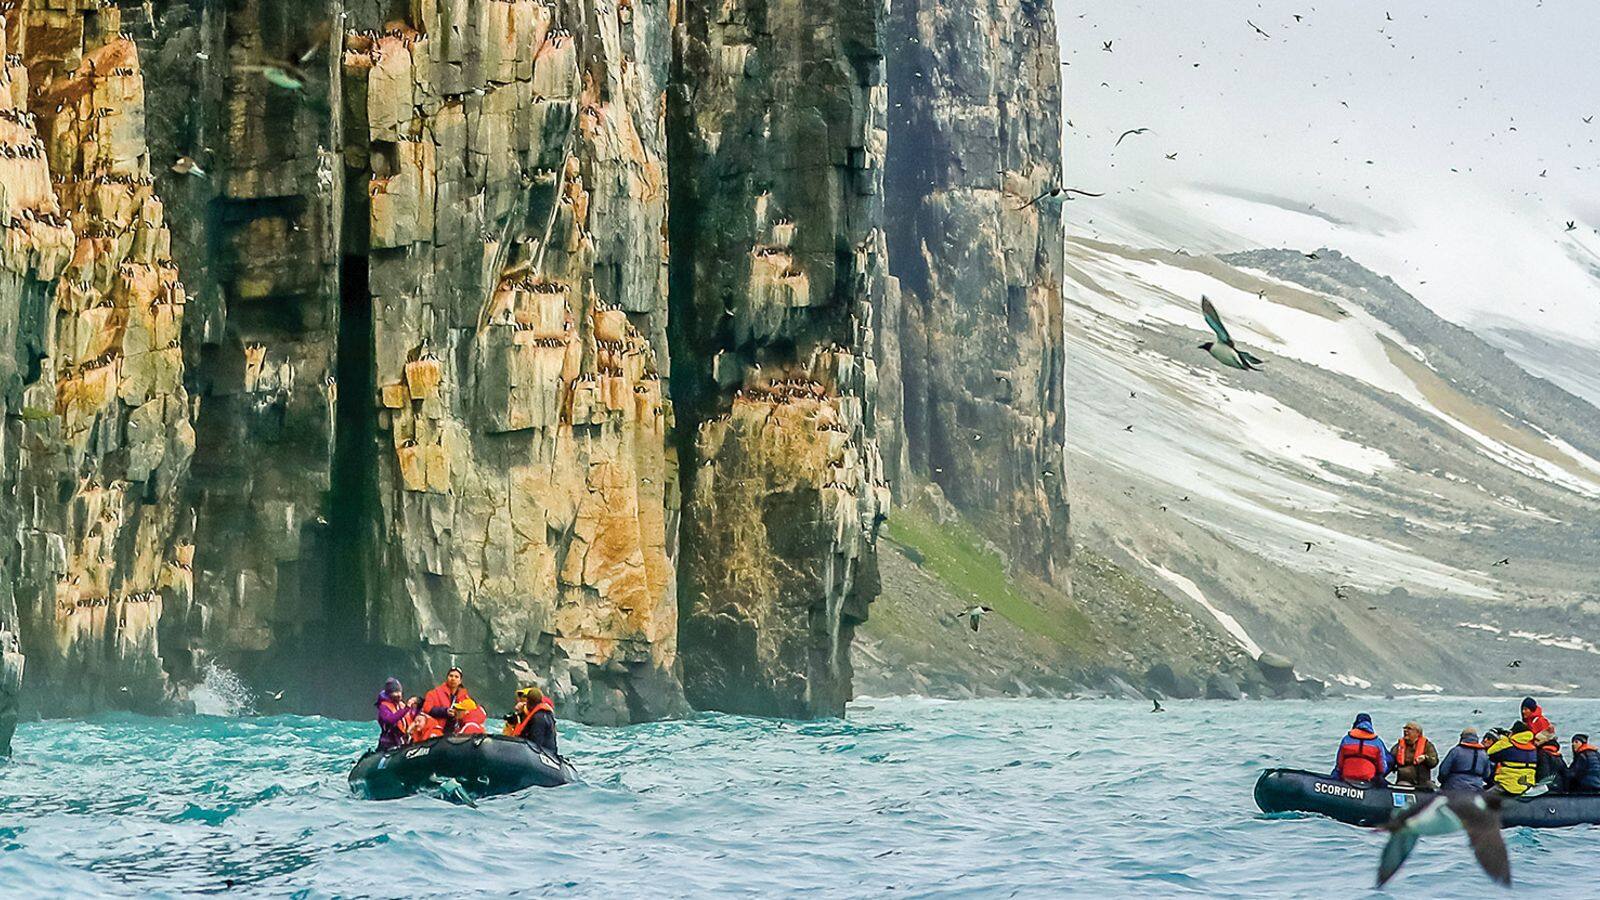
(1538, 724)
(1404, 755)
(1360, 759)
(429, 726)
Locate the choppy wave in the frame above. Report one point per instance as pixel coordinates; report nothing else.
(981, 798)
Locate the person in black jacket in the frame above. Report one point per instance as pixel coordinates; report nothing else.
(1583, 777)
(534, 720)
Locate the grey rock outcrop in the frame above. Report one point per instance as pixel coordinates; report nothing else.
(974, 135)
(776, 113)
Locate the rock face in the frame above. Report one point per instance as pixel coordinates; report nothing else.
(974, 135)
(98, 434)
(777, 145)
(345, 338)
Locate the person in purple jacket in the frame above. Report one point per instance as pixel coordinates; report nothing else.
(394, 715)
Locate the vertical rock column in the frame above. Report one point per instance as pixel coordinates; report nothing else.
(263, 230)
(776, 135)
(974, 134)
(515, 195)
(100, 438)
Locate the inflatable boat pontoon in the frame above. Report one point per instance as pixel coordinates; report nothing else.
(1295, 790)
(483, 765)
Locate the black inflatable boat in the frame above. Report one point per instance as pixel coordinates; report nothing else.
(482, 765)
(1295, 790)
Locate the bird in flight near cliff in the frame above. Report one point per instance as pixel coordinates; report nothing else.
(1106, 47)
(1514, 664)
(1058, 192)
(187, 166)
(973, 615)
(286, 73)
(1503, 562)
(1223, 349)
(1129, 132)
(1572, 224)
(1257, 28)
(1478, 816)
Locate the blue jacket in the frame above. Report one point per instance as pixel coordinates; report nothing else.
(1465, 768)
(1584, 776)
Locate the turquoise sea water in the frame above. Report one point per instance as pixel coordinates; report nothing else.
(903, 797)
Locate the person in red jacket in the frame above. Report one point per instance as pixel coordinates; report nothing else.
(442, 709)
(1543, 730)
(1362, 756)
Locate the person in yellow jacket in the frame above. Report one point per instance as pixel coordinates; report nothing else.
(1516, 760)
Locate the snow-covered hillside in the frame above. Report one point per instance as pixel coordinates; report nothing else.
(1348, 505)
(1446, 144)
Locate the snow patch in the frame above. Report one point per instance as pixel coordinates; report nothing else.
(1572, 642)
(1228, 623)
(1421, 688)
(1352, 681)
(1479, 626)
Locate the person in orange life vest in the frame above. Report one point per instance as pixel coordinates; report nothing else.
(1516, 761)
(395, 715)
(1584, 775)
(1362, 756)
(469, 717)
(1415, 758)
(440, 707)
(534, 720)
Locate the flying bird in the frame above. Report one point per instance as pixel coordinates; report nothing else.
(1172, 156)
(1058, 192)
(1504, 562)
(1514, 664)
(974, 615)
(1572, 224)
(277, 696)
(1107, 47)
(286, 73)
(1223, 349)
(1128, 132)
(1309, 545)
(1588, 120)
(1312, 256)
(187, 166)
(1157, 705)
(1298, 17)
(1477, 815)
(1257, 28)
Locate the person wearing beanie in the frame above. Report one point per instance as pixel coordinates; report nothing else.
(394, 715)
(1544, 732)
(1583, 777)
(1516, 761)
(1415, 758)
(1362, 756)
(1466, 767)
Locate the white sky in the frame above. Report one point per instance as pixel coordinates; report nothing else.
(1495, 89)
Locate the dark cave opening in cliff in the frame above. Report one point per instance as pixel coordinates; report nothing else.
(352, 490)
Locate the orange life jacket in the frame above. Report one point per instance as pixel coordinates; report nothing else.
(544, 705)
(428, 726)
(1404, 758)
